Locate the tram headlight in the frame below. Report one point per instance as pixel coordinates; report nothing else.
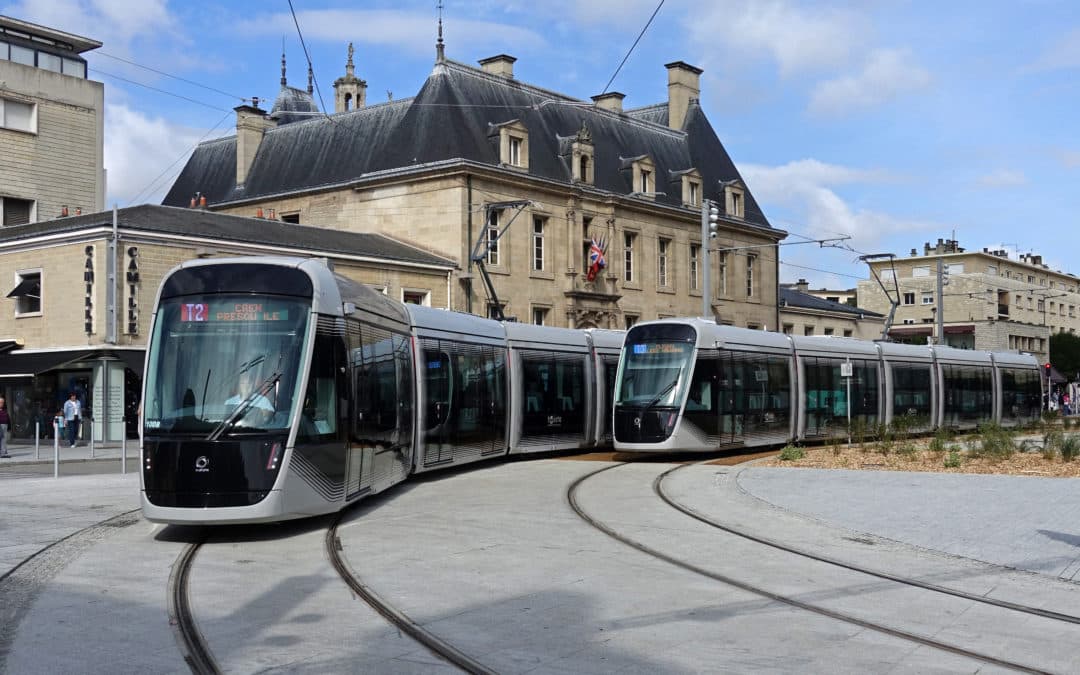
(275, 455)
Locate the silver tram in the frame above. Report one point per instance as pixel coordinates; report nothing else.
(276, 389)
(693, 385)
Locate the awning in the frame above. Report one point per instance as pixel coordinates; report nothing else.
(960, 330)
(912, 331)
(29, 287)
(19, 364)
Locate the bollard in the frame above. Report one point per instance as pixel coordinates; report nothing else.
(123, 448)
(90, 421)
(56, 451)
(37, 439)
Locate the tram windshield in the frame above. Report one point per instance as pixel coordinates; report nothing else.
(224, 364)
(653, 373)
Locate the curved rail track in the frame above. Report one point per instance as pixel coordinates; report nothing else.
(399, 619)
(658, 488)
(778, 597)
(192, 645)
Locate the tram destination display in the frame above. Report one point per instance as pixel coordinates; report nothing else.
(223, 312)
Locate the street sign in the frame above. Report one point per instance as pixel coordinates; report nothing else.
(845, 369)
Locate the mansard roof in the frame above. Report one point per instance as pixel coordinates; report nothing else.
(449, 121)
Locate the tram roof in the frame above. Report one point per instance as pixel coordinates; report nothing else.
(969, 356)
(829, 344)
(432, 322)
(1015, 359)
(545, 335)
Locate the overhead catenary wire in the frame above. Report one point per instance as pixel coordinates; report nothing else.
(631, 51)
(152, 185)
(175, 77)
(307, 56)
(160, 91)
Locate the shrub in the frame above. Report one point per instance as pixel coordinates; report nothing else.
(1070, 447)
(952, 460)
(996, 442)
(1053, 440)
(791, 453)
(940, 440)
(907, 449)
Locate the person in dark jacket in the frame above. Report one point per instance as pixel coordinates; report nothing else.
(5, 424)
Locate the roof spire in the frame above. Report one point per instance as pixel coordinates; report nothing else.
(283, 83)
(310, 79)
(350, 69)
(440, 56)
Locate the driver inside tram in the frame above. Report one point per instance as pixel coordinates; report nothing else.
(259, 407)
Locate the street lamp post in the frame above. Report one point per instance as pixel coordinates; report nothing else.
(710, 215)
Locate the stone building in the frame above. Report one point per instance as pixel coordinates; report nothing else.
(51, 125)
(528, 178)
(991, 301)
(82, 290)
(802, 313)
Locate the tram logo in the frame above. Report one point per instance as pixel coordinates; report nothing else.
(637, 422)
(202, 464)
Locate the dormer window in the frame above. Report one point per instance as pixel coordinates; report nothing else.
(644, 179)
(513, 145)
(735, 199)
(690, 181)
(514, 155)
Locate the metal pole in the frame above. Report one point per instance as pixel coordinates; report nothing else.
(940, 303)
(56, 451)
(37, 439)
(90, 421)
(123, 445)
(706, 275)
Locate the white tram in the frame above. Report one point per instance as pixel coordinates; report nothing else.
(276, 389)
(693, 385)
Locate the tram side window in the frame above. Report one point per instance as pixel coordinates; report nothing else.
(376, 386)
(554, 394)
(911, 391)
(319, 415)
(404, 366)
(438, 381)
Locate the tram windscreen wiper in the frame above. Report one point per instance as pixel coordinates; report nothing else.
(663, 392)
(244, 406)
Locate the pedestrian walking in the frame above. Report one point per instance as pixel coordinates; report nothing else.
(5, 424)
(72, 412)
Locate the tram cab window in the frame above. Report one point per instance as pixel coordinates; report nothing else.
(319, 415)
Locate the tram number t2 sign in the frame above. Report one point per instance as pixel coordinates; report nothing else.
(238, 311)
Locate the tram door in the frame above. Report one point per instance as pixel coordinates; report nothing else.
(465, 400)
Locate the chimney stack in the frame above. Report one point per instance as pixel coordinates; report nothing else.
(502, 65)
(802, 285)
(684, 88)
(251, 124)
(612, 101)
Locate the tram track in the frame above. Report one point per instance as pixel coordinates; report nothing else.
(658, 488)
(192, 644)
(761, 591)
(395, 616)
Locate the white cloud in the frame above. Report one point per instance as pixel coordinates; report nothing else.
(408, 30)
(1002, 178)
(1063, 54)
(886, 75)
(143, 155)
(798, 40)
(115, 23)
(804, 189)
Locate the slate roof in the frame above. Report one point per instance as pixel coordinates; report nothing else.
(451, 119)
(789, 297)
(201, 223)
(293, 105)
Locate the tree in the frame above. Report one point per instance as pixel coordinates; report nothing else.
(1065, 354)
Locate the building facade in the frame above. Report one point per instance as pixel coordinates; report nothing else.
(51, 125)
(990, 301)
(83, 288)
(539, 187)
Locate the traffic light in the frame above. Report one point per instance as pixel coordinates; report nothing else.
(714, 217)
(1046, 369)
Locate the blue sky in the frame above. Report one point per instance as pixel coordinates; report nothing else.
(892, 122)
